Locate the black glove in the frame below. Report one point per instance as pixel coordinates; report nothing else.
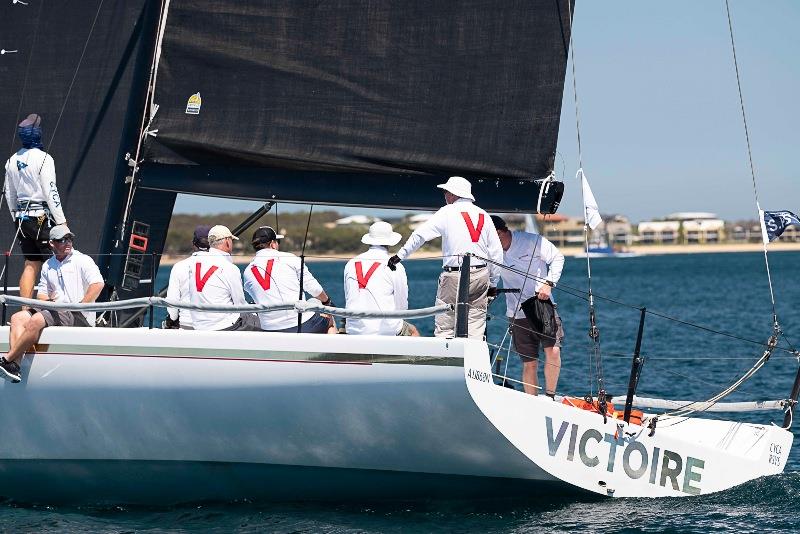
(492, 293)
(329, 303)
(393, 261)
(169, 324)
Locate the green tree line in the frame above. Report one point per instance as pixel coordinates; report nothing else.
(324, 236)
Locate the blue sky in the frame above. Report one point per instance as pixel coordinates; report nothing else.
(661, 127)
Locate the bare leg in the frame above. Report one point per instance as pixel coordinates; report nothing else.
(17, 323)
(552, 368)
(529, 379)
(28, 279)
(25, 332)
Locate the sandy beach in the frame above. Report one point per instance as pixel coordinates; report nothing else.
(644, 250)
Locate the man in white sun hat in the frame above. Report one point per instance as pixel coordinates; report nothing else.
(215, 280)
(369, 285)
(464, 228)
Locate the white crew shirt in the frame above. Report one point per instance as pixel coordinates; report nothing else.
(278, 282)
(31, 175)
(68, 280)
(383, 290)
(464, 228)
(178, 289)
(537, 256)
(214, 279)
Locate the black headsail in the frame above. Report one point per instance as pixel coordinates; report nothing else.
(359, 102)
(82, 66)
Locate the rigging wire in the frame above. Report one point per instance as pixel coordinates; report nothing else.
(17, 121)
(303, 267)
(25, 79)
(74, 77)
(595, 356)
(776, 326)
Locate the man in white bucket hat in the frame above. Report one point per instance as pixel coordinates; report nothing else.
(465, 229)
(369, 285)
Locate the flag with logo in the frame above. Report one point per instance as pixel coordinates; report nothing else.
(591, 212)
(773, 223)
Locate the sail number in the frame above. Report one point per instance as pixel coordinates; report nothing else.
(637, 461)
(775, 451)
(480, 376)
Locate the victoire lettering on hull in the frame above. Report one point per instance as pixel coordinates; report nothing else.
(637, 460)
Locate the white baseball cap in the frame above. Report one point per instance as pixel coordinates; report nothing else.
(458, 186)
(218, 233)
(381, 233)
(60, 232)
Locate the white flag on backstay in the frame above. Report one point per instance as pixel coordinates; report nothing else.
(591, 213)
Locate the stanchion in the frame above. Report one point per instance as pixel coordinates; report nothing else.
(5, 285)
(462, 299)
(787, 419)
(636, 368)
(152, 284)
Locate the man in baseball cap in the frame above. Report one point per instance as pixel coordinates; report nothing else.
(273, 277)
(67, 277)
(215, 280)
(179, 280)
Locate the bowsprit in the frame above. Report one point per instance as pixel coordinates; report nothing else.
(638, 460)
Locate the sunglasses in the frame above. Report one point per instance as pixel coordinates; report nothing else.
(62, 240)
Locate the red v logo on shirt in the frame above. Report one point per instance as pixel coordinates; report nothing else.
(200, 282)
(363, 280)
(263, 281)
(474, 233)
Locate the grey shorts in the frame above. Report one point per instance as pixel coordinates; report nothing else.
(247, 322)
(526, 341)
(61, 317)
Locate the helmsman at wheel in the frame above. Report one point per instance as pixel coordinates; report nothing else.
(33, 199)
(465, 229)
(524, 252)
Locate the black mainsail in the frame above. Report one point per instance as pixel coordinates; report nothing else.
(367, 102)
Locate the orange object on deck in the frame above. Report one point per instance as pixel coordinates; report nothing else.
(582, 404)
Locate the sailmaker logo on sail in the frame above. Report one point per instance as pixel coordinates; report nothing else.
(193, 104)
(683, 475)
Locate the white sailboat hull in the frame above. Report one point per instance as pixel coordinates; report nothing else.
(149, 416)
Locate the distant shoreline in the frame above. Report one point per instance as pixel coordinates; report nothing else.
(644, 250)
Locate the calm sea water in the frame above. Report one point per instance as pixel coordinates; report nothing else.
(722, 292)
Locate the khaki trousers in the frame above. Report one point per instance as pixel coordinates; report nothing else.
(448, 293)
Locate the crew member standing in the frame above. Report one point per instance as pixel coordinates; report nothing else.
(465, 229)
(369, 285)
(32, 197)
(529, 253)
(273, 277)
(215, 280)
(179, 280)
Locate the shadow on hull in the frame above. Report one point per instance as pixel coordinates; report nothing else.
(164, 483)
